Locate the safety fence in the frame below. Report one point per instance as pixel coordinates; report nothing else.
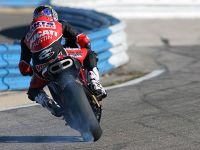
(107, 37)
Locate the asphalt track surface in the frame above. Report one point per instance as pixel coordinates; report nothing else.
(162, 113)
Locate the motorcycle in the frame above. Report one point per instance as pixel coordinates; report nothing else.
(69, 87)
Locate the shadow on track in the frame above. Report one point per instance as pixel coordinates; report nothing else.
(40, 139)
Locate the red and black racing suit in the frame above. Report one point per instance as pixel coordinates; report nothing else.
(42, 44)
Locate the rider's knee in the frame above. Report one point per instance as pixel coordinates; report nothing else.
(32, 93)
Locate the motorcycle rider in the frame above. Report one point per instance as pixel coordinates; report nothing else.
(42, 44)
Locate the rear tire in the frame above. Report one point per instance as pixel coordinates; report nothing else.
(78, 112)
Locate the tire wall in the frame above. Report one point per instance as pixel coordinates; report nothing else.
(107, 37)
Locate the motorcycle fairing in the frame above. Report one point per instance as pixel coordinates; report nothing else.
(77, 53)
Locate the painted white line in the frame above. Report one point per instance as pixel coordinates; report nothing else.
(17, 107)
(153, 74)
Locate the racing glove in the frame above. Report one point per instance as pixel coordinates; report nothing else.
(25, 68)
(83, 41)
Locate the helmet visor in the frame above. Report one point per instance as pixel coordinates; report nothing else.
(44, 12)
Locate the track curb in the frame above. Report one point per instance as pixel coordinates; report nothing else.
(149, 76)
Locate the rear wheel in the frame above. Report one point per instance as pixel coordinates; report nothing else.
(78, 112)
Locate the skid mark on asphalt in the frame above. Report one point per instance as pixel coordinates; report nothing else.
(144, 98)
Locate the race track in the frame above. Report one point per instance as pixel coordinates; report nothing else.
(159, 114)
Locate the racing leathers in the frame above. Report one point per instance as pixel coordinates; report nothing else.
(42, 44)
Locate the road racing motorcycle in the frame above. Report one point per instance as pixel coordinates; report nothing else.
(69, 87)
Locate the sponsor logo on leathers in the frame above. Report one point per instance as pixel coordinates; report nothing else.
(45, 54)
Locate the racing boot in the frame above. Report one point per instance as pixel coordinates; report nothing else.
(43, 99)
(95, 84)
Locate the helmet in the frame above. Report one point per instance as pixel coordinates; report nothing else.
(45, 10)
